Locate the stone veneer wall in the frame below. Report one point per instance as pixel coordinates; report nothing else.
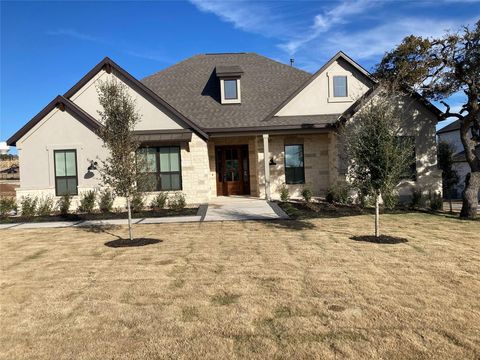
(316, 161)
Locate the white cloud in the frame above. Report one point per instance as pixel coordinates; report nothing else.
(323, 22)
(321, 34)
(150, 55)
(244, 15)
(268, 19)
(374, 42)
(74, 34)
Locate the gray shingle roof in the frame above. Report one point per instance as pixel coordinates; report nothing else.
(192, 88)
(450, 127)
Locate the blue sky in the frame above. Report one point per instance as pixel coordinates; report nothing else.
(46, 47)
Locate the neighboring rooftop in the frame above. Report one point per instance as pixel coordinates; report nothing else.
(192, 87)
(450, 127)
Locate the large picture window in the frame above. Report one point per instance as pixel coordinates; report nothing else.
(294, 165)
(162, 168)
(66, 180)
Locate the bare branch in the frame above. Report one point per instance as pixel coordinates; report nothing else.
(448, 114)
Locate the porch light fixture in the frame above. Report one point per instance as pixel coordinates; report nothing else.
(93, 166)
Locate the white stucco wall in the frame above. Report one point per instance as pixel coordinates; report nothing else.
(317, 97)
(152, 117)
(58, 130)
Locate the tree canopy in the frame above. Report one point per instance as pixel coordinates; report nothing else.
(436, 69)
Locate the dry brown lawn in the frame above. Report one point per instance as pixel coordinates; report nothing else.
(254, 290)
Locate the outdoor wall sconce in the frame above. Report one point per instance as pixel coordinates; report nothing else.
(93, 166)
(272, 162)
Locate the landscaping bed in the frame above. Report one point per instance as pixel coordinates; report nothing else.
(191, 211)
(306, 210)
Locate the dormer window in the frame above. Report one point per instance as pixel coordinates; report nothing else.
(229, 77)
(340, 86)
(230, 89)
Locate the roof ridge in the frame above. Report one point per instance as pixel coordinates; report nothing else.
(280, 63)
(172, 66)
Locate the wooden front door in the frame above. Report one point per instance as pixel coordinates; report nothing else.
(232, 170)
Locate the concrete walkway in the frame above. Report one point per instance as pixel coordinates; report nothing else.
(231, 208)
(220, 209)
(86, 223)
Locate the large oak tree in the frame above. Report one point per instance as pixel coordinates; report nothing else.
(438, 68)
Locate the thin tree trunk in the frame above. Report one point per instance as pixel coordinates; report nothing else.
(129, 218)
(470, 196)
(377, 215)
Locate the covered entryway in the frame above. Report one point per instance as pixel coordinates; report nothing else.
(232, 170)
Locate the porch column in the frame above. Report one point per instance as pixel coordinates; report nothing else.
(266, 161)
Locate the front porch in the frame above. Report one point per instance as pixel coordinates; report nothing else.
(238, 165)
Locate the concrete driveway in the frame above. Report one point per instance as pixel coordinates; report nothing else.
(226, 208)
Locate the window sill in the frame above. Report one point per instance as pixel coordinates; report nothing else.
(339, 99)
(227, 102)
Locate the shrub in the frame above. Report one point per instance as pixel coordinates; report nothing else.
(284, 193)
(338, 193)
(87, 202)
(307, 194)
(63, 204)
(436, 201)
(29, 205)
(417, 200)
(7, 205)
(105, 202)
(137, 203)
(390, 200)
(177, 202)
(45, 206)
(159, 201)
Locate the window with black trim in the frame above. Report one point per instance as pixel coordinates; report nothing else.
(294, 165)
(162, 169)
(340, 86)
(409, 142)
(66, 179)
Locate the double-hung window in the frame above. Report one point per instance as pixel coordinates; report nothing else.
(230, 89)
(66, 179)
(294, 164)
(161, 166)
(340, 86)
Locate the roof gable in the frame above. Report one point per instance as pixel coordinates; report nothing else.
(63, 104)
(316, 89)
(111, 67)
